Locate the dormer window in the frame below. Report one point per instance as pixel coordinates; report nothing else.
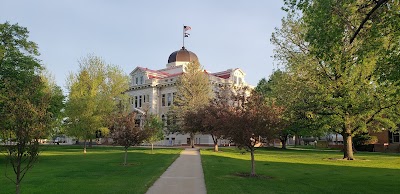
(136, 80)
(141, 79)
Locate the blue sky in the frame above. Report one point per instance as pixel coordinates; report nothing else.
(225, 34)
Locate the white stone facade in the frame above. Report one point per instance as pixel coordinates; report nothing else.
(153, 91)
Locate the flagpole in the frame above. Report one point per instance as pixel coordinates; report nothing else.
(183, 36)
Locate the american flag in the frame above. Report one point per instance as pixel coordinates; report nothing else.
(186, 28)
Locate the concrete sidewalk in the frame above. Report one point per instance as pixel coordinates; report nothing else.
(184, 176)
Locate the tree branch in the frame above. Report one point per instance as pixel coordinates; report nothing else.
(378, 4)
(371, 118)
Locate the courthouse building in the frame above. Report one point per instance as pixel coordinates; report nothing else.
(153, 91)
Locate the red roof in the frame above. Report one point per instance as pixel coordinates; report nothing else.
(223, 74)
(160, 74)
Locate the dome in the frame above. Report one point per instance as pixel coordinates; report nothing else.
(182, 55)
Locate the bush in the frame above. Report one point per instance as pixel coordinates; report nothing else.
(364, 139)
(368, 148)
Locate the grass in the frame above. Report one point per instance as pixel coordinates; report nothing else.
(300, 171)
(65, 169)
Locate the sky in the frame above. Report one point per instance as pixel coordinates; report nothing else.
(129, 33)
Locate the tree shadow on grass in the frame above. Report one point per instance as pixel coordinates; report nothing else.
(293, 177)
(68, 170)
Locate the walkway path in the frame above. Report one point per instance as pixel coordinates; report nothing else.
(184, 176)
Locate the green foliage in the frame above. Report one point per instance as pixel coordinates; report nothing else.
(56, 105)
(365, 139)
(347, 90)
(154, 127)
(95, 92)
(263, 87)
(193, 91)
(26, 103)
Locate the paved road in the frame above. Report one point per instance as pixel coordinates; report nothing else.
(184, 176)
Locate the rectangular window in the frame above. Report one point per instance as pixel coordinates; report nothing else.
(140, 101)
(169, 99)
(163, 100)
(136, 101)
(141, 79)
(148, 98)
(144, 98)
(136, 80)
(396, 137)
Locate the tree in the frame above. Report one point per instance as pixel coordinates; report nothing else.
(350, 92)
(94, 94)
(25, 105)
(56, 106)
(126, 132)
(251, 118)
(193, 91)
(292, 86)
(287, 91)
(27, 121)
(208, 119)
(154, 127)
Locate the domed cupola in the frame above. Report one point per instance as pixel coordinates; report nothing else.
(182, 55)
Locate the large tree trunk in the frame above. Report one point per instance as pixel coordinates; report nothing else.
(215, 147)
(348, 146)
(253, 165)
(192, 140)
(152, 147)
(84, 146)
(215, 140)
(283, 141)
(336, 140)
(296, 140)
(126, 155)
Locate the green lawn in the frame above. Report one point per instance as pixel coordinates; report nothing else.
(65, 169)
(300, 171)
